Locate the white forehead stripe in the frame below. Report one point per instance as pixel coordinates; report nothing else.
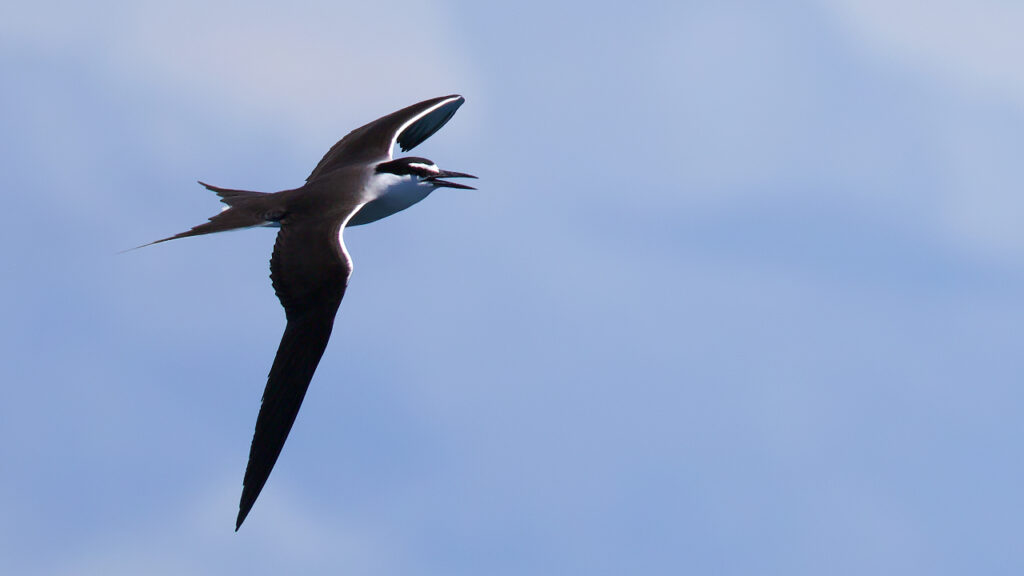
(428, 167)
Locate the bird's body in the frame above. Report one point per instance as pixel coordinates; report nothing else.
(396, 194)
(356, 182)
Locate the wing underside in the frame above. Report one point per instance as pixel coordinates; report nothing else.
(408, 127)
(309, 270)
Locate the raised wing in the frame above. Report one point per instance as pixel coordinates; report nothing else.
(309, 269)
(373, 142)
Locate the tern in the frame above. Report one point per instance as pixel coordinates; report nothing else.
(357, 182)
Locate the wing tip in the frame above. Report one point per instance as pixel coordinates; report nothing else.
(411, 137)
(457, 99)
(244, 507)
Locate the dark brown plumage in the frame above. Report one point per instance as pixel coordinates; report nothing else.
(310, 266)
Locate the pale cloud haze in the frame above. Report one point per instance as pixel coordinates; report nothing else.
(740, 292)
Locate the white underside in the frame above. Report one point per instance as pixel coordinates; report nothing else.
(391, 194)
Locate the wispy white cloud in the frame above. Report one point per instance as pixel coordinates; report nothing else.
(975, 44)
(651, 376)
(197, 537)
(295, 63)
(970, 50)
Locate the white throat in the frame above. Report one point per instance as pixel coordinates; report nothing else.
(383, 184)
(390, 193)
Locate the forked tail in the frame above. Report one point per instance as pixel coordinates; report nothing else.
(232, 197)
(245, 210)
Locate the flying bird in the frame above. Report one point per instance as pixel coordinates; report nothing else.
(357, 182)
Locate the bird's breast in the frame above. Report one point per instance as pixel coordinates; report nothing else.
(390, 194)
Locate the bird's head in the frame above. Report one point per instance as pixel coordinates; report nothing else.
(422, 171)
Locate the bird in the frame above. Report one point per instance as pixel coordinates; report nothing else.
(357, 182)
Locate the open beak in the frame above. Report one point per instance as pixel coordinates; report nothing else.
(445, 184)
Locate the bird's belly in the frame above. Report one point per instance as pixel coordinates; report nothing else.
(394, 199)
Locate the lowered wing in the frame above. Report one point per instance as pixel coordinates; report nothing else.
(309, 269)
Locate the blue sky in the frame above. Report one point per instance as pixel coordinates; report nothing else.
(740, 292)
